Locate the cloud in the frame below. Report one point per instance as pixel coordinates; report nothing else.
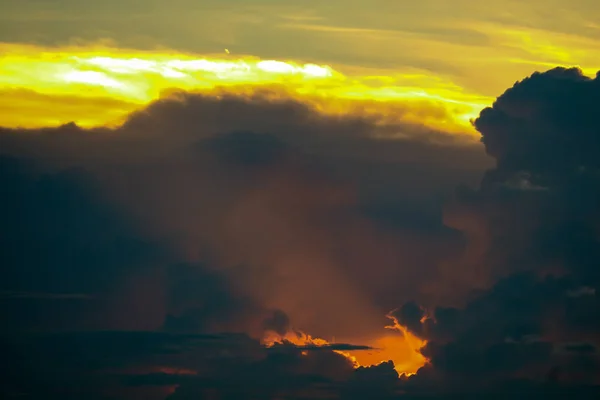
(324, 347)
(534, 252)
(278, 322)
(230, 213)
(50, 296)
(286, 187)
(256, 213)
(72, 364)
(129, 364)
(545, 122)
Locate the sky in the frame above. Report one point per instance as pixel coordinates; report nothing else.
(318, 200)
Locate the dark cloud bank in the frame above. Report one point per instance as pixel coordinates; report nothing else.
(145, 262)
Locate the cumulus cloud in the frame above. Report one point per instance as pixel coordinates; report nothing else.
(534, 252)
(267, 194)
(545, 123)
(254, 214)
(234, 213)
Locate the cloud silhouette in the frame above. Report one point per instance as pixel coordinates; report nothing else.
(205, 214)
(256, 213)
(534, 309)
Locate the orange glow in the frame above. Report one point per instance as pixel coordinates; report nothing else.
(399, 346)
(295, 337)
(100, 85)
(299, 338)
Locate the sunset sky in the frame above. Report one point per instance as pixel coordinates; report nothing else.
(459, 54)
(244, 199)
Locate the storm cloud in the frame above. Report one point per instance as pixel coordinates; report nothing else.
(246, 214)
(532, 241)
(229, 213)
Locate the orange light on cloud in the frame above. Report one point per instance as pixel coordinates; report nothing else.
(397, 345)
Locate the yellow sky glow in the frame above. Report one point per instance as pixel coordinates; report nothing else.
(99, 86)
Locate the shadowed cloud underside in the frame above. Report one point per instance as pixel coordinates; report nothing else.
(259, 200)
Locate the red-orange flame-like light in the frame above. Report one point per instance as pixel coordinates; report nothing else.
(398, 345)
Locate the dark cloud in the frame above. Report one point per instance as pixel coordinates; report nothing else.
(410, 316)
(323, 347)
(375, 382)
(72, 364)
(255, 213)
(532, 246)
(200, 300)
(221, 213)
(584, 348)
(278, 322)
(262, 192)
(60, 242)
(246, 148)
(545, 123)
(132, 364)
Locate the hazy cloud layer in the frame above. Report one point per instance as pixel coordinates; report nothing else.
(268, 195)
